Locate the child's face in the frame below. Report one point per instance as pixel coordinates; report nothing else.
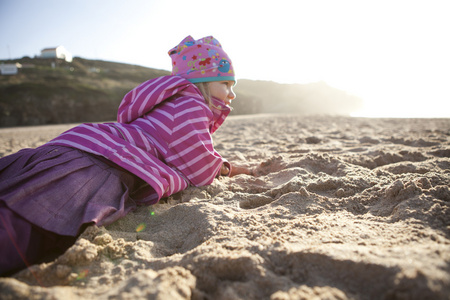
(222, 90)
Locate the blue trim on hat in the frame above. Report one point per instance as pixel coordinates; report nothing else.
(209, 79)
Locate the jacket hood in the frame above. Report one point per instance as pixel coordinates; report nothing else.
(143, 98)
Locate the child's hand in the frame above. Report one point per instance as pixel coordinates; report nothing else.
(236, 170)
(224, 170)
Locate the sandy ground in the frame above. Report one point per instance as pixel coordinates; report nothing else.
(339, 208)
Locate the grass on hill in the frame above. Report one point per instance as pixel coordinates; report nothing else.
(49, 91)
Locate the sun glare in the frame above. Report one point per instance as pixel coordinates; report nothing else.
(392, 54)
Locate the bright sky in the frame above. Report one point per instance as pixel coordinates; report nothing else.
(394, 54)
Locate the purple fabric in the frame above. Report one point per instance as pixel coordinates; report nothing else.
(23, 244)
(59, 188)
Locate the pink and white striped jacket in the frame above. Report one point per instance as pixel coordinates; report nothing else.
(162, 134)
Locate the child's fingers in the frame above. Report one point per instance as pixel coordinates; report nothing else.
(224, 170)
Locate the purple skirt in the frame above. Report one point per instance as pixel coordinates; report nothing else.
(59, 190)
(23, 244)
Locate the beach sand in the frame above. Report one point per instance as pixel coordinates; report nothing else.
(339, 208)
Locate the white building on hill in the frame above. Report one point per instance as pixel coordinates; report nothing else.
(57, 52)
(9, 69)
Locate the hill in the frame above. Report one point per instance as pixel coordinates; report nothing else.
(48, 91)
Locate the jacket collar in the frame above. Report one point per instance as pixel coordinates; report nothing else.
(220, 112)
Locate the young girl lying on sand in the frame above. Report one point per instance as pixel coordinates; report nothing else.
(97, 173)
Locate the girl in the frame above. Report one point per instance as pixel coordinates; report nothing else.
(97, 173)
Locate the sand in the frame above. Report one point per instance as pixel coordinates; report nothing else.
(338, 208)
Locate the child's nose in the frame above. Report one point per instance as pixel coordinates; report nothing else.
(231, 95)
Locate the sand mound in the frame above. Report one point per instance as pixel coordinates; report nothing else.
(339, 208)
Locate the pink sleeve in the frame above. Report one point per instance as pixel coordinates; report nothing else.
(192, 146)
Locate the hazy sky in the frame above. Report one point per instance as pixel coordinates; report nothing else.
(393, 54)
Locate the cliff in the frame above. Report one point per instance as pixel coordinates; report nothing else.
(48, 91)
